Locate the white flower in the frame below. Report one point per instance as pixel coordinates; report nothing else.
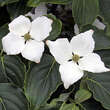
(76, 29)
(99, 24)
(26, 37)
(96, 23)
(76, 57)
(40, 10)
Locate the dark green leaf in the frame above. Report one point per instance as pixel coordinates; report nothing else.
(12, 98)
(92, 105)
(34, 3)
(56, 27)
(99, 84)
(4, 16)
(101, 40)
(105, 9)
(55, 103)
(107, 30)
(5, 2)
(17, 9)
(85, 11)
(3, 76)
(82, 95)
(3, 32)
(49, 107)
(14, 69)
(105, 55)
(42, 80)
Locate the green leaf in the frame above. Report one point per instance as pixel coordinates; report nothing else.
(49, 107)
(12, 98)
(105, 13)
(3, 32)
(17, 9)
(92, 105)
(105, 9)
(63, 97)
(34, 3)
(107, 30)
(5, 2)
(83, 84)
(42, 80)
(105, 56)
(69, 107)
(55, 103)
(4, 16)
(82, 95)
(56, 27)
(14, 69)
(99, 84)
(101, 40)
(85, 11)
(3, 76)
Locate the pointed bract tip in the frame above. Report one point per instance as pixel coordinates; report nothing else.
(37, 62)
(107, 70)
(51, 21)
(91, 30)
(47, 41)
(66, 86)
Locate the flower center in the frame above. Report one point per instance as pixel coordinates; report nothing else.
(27, 36)
(75, 58)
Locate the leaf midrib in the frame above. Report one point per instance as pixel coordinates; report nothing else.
(97, 83)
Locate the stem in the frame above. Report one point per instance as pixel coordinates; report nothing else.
(1, 100)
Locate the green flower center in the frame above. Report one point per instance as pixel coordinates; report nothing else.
(27, 37)
(75, 58)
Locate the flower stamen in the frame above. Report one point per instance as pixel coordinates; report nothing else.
(75, 58)
(27, 37)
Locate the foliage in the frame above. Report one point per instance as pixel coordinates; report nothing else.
(25, 85)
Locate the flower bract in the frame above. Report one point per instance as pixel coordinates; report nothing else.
(76, 56)
(27, 37)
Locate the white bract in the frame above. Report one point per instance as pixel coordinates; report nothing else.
(27, 37)
(99, 24)
(96, 23)
(76, 29)
(40, 10)
(76, 57)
